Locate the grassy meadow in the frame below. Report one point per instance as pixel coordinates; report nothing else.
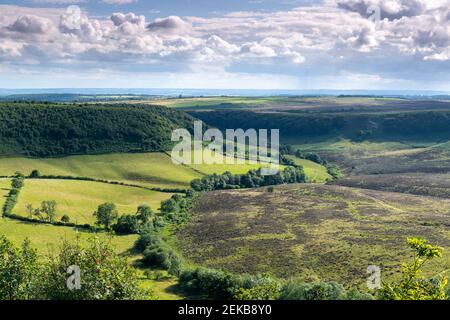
(154, 170)
(147, 169)
(45, 237)
(79, 199)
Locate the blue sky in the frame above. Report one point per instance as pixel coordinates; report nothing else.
(152, 8)
(257, 44)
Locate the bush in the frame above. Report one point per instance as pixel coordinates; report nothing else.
(334, 171)
(127, 224)
(35, 174)
(104, 274)
(18, 270)
(269, 291)
(296, 289)
(355, 294)
(160, 256)
(13, 195)
(412, 285)
(148, 237)
(211, 283)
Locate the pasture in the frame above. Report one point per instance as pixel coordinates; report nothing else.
(79, 199)
(153, 170)
(48, 237)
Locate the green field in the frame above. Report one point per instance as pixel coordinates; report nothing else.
(5, 185)
(315, 172)
(79, 199)
(45, 237)
(147, 169)
(217, 102)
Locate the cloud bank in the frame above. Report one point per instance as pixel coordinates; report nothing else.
(335, 38)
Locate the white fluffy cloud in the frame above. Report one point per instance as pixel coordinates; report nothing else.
(335, 32)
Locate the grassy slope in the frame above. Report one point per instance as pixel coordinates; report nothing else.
(315, 172)
(148, 169)
(79, 199)
(313, 231)
(44, 237)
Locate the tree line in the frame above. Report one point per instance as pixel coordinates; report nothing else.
(252, 179)
(353, 125)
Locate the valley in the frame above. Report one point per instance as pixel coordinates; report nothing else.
(364, 193)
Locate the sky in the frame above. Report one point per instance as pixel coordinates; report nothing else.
(232, 44)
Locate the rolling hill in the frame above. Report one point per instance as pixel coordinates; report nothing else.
(49, 129)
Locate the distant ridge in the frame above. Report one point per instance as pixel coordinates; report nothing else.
(221, 92)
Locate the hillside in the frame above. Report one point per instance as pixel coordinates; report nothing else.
(356, 125)
(153, 169)
(312, 231)
(48, 129)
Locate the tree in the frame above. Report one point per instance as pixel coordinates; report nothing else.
(106, 215)
(18, 269)
(65, 218)
(35, 174)
(412, 285)
(169, 206)
(104, 275)
(49, 208)
(144, 213)
(18, 180)
(30, 210)
(127, 224)
(38, 214)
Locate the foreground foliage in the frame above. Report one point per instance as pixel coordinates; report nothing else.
(414, 286)
(104, 275)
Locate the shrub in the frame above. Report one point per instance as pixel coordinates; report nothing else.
(104, 274)
(296, 289)
(269, 291)
(355, 294)
(127, 224)
(211, 283)
(160, 256)
(148, 237)
(412, 285)
(18, 270)
(35, 174)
